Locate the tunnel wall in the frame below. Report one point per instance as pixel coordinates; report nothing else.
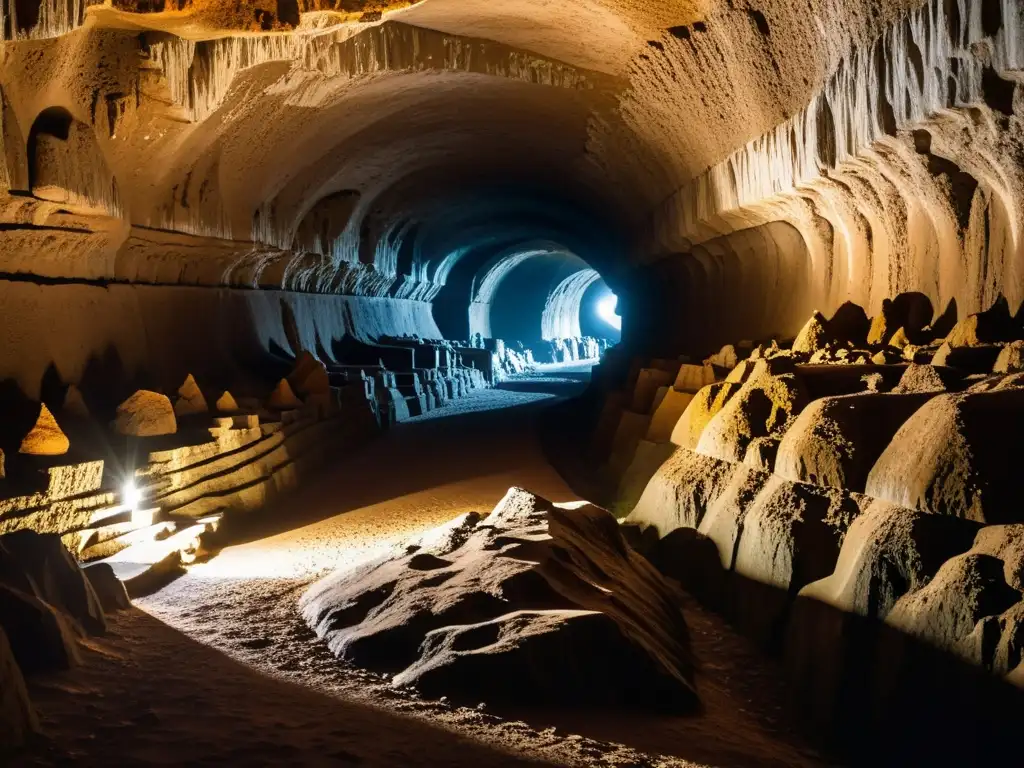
(121, 336)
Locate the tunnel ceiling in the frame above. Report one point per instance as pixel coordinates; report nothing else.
(374, 153)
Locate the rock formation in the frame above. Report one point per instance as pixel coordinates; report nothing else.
(146, 414)
(45, 438)
(190, 399)
(226, 403)
(522, 603)
(283, 398)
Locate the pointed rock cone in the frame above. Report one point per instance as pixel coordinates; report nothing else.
(309, 375)
(899, 339)
(812, 336)
(190, 400)
(226, 403)
(74, 403)
(283, 398)
(45, 438)
(146, 414)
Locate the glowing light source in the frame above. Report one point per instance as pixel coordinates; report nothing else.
(606, 311)
(131, 496)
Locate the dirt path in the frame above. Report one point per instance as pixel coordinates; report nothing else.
(218, 667)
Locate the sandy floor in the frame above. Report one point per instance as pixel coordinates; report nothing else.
(218, 667)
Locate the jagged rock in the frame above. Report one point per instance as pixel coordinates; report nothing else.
(667, 414)
(45, 438)
(899, 339)
(886, 356)
(41, 638)
(944, 612)
(74, 404)
(979, 358)
(835, 441)
(993, 325)
(762, 452)
(890, 551)
(648, 381)
(146, 414)
(849, 324)
(910, 311)
(790, 536)
(1011, 358)
(927, 378)
(39, 564)
(647, 458)
(109, 589)
(283, 398)
(701, 409)
(17, 717)
(726, 358)
(680, 491)
(722, 523)
(813, 336)
(693, 378)
(309, 375)
(506, 608)
(764, 405)
(190, 399)
(948, 459)
(226, 403)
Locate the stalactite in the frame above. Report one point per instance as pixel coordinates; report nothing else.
(56, 18)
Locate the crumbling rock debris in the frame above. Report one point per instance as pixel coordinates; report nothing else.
(45, 438)
(523, 605)
(146, 414)
(190, 399)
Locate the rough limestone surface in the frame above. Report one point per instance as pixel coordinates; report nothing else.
(109, 589)
(1011, 358)
(528, 603)
(948, 458)
(764, 406)
(889, 551)
(283, 398)
(680, 491)
(226, 403)
(922, 378)
(190, 399)
(813, 336)
(693, 378)
(835, 441)
(45, 438)
(146, 414)
(700, 410)
(40, 565)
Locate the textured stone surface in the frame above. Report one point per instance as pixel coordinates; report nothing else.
(146, 414)
(524, 602)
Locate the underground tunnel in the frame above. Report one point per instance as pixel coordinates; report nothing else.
(452, 382)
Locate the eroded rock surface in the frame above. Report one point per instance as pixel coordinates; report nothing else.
(530, 602)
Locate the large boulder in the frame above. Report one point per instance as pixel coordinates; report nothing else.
(680, 491)
(993, 325)
(109, 589)
(283, 398)
(954, 456)
(146, 414)
(41, 638)
(45, 438)
(764, 406)
(190, 399)
(40, 565)
(527, 604)
(835, 441)
(1011, 358)
(17, 717)
(699, 411)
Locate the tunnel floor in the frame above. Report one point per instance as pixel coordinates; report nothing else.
(222, 654)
